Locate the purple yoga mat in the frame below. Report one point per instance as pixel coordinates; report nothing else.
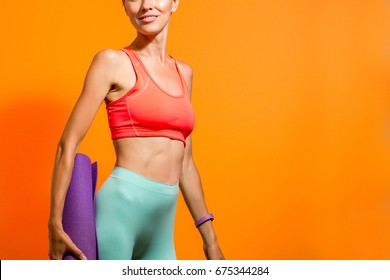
(78, 218)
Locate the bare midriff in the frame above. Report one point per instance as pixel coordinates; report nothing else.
(156, 158)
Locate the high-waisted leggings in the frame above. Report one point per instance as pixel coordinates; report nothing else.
(135, 217)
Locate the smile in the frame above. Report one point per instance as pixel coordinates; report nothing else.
(148, 18)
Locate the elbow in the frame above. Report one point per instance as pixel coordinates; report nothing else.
(188, 166)
(66, 147)
(189, 174)
(65, 155)
(188, 163)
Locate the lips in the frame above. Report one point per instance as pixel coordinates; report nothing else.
(148, 18)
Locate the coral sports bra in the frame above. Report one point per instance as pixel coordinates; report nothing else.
(148, 111)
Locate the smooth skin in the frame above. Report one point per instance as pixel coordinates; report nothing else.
(109, 77)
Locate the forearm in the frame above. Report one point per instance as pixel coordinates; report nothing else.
(61, 177)
(191, 188)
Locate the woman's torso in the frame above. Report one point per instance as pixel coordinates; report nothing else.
(158, 157)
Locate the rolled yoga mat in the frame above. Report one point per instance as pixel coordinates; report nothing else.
(78, 218)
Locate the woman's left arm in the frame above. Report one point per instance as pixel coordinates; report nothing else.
(191, 188)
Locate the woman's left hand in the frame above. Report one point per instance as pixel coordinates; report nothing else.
(213, 252)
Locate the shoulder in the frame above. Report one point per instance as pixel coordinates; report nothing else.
(108, 56)
(109, 59)
(106, 67)
(185, 69)
(108, 62)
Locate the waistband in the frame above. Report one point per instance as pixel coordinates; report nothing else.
(144, 182)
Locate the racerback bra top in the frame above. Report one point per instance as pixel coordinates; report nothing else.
(148, 111)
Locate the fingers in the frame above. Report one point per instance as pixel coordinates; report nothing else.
(60, 252)
(60, 243)
(77, 252)
(72, 248)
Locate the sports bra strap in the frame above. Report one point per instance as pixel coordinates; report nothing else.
(134, 60)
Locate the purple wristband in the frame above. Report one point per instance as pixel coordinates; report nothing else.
(204, 219)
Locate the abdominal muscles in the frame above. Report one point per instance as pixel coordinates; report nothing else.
(157, 158)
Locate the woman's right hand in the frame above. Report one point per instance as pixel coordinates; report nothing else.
(60, 243)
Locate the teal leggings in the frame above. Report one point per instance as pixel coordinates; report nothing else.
(135, 217)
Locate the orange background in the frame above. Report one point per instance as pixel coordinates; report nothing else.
(292, 120)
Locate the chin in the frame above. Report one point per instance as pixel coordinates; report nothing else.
(150, 30)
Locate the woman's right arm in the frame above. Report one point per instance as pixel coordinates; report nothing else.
(100, 77)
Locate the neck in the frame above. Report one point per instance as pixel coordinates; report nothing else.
(152, 46)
